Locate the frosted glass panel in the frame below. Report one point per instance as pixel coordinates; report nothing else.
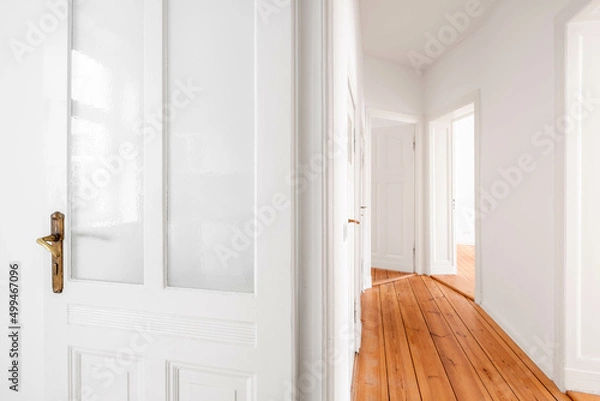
(211, 145)
(106, 149)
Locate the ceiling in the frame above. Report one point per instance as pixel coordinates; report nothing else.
(392, 28)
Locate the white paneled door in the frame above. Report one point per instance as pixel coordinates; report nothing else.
(170, 127)
(393, 195)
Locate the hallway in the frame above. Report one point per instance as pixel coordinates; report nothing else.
(423, 341)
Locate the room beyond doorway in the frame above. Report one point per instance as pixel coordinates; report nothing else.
(463, 202)
(453, 216)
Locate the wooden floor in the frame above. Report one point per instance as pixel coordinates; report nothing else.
(464, 281)
(424, 341)
(381, 276)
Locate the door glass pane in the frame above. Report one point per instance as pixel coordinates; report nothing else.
(106, 149)
(211, 138)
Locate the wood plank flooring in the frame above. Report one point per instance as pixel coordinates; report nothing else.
(424, 341)
(464, 281)
(381, 276)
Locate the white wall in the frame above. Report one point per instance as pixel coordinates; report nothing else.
(463, 134)
(511, 60)
(392, 87)
(24, 217)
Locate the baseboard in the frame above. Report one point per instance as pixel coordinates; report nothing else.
(546, 366)
(582, 381)
(368, 282)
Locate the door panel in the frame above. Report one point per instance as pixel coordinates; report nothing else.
(443, 247)
(178, 282)
(393, 192)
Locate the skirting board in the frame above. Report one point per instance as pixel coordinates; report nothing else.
(546, 366)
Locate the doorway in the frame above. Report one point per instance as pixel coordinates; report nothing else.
(577, 200)
(453, 216)
(393, 195)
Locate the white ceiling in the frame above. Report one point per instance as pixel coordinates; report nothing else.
(392, 28)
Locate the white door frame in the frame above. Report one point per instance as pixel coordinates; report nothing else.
(566, 201)
(474, 99)
(375, 113)
(315, 279)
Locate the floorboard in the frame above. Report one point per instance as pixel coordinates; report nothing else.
(425, 341)
(381, 276)
(464, 281)
(371, 372)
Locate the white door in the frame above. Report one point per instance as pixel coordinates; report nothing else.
(169, 145)
(443, 247)
(393, 195)
(353, 228)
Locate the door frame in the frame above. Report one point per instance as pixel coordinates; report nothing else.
(473, 98)
(566, 203)
(417, 121)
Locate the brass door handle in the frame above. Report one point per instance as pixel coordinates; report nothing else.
(352, 221)
(53, 243)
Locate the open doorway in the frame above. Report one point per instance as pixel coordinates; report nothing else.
(453, 198)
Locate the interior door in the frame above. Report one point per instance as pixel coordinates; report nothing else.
(393, 192)
(443, 247)
(353, 232)
(170, 135)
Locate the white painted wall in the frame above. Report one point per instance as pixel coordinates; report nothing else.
(392, 87)
(511, 60)
(25, 218)
(463, 135)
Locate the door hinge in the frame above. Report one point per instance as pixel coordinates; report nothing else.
(414, 145)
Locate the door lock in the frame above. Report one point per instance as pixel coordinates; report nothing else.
(54, 244)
